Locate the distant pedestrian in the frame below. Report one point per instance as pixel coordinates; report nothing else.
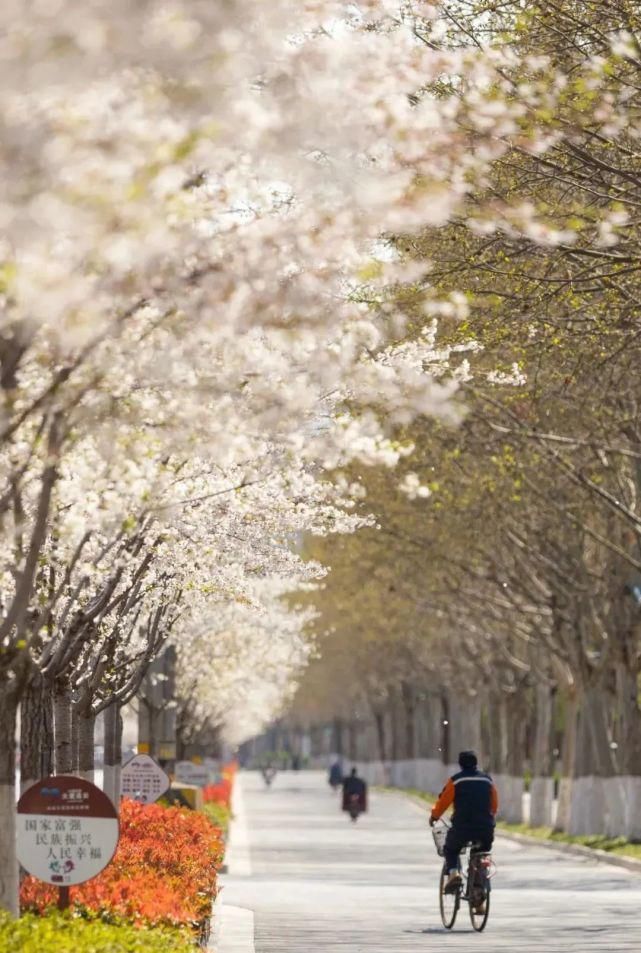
(335, 775)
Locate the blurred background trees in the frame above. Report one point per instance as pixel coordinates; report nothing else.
(497, 601)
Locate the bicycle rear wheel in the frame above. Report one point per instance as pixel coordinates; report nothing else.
(448, 902)
(479, 920)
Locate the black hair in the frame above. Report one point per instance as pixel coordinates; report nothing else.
(468, 760)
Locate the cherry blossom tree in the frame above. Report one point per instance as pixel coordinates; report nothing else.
(208, 302)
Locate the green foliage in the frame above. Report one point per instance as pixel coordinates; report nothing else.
(61, 933)
(218, 814)
(619, 846)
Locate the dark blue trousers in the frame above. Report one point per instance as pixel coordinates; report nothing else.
(461, 834)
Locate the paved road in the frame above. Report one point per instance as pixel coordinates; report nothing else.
(316, 882)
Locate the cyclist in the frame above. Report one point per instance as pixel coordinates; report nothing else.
(475, 800)
(268, 771)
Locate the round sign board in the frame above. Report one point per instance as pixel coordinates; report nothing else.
(67, 830)
(143, 780)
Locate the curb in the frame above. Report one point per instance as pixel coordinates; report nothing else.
(233, 930)
(236, 932)
(576, 850)
(216, 915)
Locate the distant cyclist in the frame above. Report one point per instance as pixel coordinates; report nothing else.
(476, 801)
(268, 772)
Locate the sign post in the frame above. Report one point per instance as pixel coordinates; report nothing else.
(191, 773)
(67, 832)
(143, 780)
(214, 770)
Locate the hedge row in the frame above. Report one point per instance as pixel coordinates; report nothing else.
(163, 874)
(218, 814)
(64, 934)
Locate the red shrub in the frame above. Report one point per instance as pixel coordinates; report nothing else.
(220, 792)
(164, 871)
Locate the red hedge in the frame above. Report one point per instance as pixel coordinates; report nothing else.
(164, 871)
(220, 792)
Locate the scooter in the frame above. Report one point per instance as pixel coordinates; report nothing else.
(354, 807)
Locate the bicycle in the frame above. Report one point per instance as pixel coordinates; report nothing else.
(475, 886)
(268, 773)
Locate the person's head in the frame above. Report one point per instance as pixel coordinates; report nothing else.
(353, 772)
(468, 760)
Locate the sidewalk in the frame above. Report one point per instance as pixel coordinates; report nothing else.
(234, 926)
(312, 881)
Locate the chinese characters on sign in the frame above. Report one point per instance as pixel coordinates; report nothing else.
(143, 779)
(67, 830)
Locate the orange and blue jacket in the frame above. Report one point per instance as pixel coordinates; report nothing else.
(474, 796)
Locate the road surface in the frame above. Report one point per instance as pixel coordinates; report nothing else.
(303, 878)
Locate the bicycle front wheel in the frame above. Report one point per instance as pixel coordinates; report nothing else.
(479, 913)
(448, 902)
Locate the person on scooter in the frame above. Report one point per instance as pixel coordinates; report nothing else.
(354, 787)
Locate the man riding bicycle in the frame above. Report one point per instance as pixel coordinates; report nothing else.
(475, 800)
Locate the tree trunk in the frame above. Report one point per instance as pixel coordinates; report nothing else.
(446, 744)
(568, 760)
(542, 748)
(112, 759)
(182, 721)
(36, 732)
(379, 718)
(570, 735)
(542, 784)
(487, 733)
(498, 735)
(8, 862)
(409, 710)
(352, 740)
(86, 726)
(337, 736)
(393, 728)
(465, 724)
(430, 726)
(154, 725)
(75, 740)
(517, 723)
(598, 757)
(63, 729)
(629, 734)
